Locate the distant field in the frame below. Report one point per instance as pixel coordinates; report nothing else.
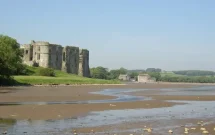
(171, 74)
(60, 78)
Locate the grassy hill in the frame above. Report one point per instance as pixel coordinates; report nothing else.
(170, 73)
(60, 77)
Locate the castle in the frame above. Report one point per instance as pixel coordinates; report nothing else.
(69, 59)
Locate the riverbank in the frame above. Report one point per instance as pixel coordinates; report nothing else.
(33, 76)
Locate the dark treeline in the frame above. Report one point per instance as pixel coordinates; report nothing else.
(195, 73)
(153, 70)
(103, 73)
(188, 79)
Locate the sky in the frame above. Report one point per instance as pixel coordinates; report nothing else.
(134, 34)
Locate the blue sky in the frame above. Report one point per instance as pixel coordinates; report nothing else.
(135, 34)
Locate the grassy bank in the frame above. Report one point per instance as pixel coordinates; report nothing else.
(8, 121)
(34, 78)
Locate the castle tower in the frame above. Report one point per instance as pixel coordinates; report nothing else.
(84, 63)
(41, 53)
(70, 59)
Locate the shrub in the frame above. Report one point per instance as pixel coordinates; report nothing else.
(7, 80)
(46, 72)
(35, 64)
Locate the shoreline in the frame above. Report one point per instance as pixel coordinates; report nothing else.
(37, 85)
(111, 84)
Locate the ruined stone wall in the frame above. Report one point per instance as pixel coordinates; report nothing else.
(84, 63)
(28, 54)
(55, 56)
(70, 59)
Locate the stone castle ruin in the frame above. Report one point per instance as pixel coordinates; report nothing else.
(69, 59)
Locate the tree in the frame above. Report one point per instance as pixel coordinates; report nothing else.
(10, 56)
(156, 75)
(114, 74)
(123, 70)
(99, 72)
(133, 74)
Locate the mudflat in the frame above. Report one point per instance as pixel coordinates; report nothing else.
(45, 112)
(70, 93)
(150, 105)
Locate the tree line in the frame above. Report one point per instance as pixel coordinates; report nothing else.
(188, 79)
(195, 73)
(103, 73)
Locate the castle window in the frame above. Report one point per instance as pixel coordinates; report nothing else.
(38, 56)
(31, 58)
(26, 51)
(39, 48)
(64, 56)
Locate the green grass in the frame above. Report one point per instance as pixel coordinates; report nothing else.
(171, 74)
(8, 121)
(60, 78)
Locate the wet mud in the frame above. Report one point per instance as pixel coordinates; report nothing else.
(125, 121)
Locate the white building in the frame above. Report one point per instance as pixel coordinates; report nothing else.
(145, 78)
(124, 77)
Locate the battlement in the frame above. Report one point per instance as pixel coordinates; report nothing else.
(40, 43)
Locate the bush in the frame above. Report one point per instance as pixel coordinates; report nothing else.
(6, 80)
(35, 64)
(46, 72)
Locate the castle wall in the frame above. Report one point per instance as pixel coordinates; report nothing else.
(70, 59)
(55, 56)
(84, 63)
(28, 53)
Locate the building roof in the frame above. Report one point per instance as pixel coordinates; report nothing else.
(123, 75)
